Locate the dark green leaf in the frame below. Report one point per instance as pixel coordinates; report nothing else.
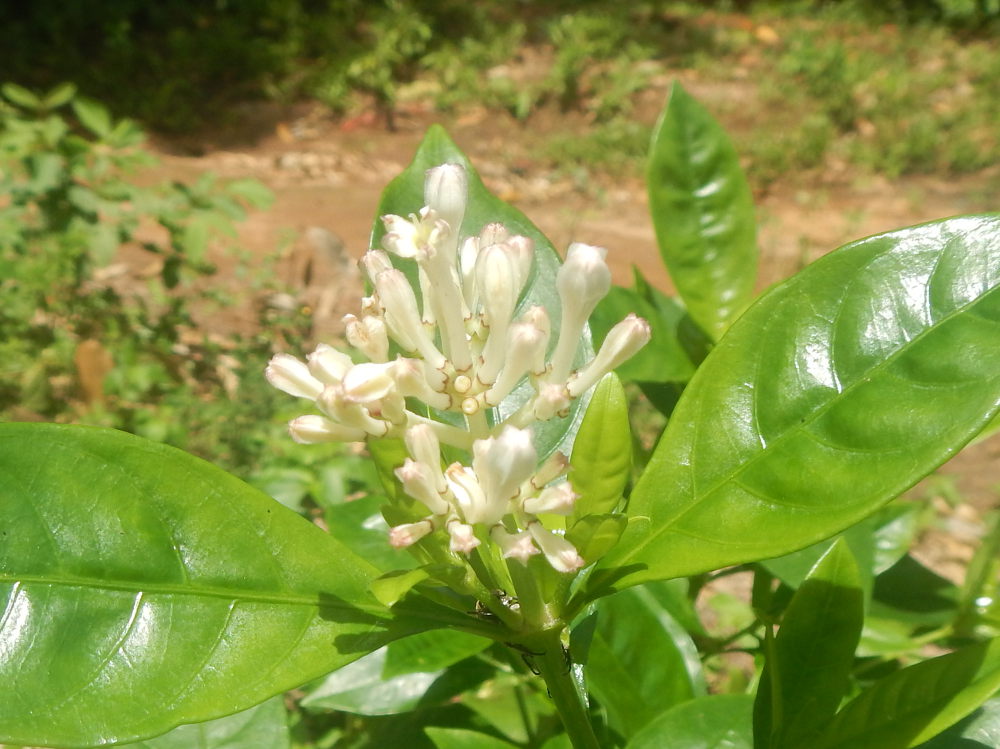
(461, 738)
(918, 702)
(262, 727)
(602, 454)
(835, 392)
(716, 722)
(703, 213)
(189, 595)
(640, 661)
(808, 668)
(404, 195)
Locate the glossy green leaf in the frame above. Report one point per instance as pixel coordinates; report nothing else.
(431, 651)
(595, 535)
(716, 722)
(262, 727)
(703, 213)
(602, 454)
(404, 195)
(980, 730)
(808, 667)
(910, 592)
(462, 738)
(144, 588)
(918, 702)
(640, 661)
(511, 705)
(835, 392)
(391, 587)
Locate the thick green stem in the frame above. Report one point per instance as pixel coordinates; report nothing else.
(554, 666)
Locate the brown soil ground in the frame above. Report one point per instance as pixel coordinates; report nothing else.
(329, 174)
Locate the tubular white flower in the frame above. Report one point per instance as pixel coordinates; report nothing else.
(559, 552)
(402, 316)
(415, 237)
(418, 481)
(311, 429)
(622, 341)
(328, 365)
(496, 279)
(412, 380)
(554, 500)
(502, 464)
(526, 345)
(425, 447)
(463, 537)
(408, 534)
(376, 261)
(467, 256)
(519, 546)
(523, 251)
(368, 382)
(333, 403)
(583, 280)
(446, 190)
(468, 494)
(368, 335)
(554, 466)
(292, 376)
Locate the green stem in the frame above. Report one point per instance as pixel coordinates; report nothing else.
(555, 668)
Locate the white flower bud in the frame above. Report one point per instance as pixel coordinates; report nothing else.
(467, 256)
(559, 552)
(517, 546)
(446, 191)
(413, 380)
(496, 279)
(402, 316)
(328, 365)
(368, 335)
(376, 261)
(463, 537)
(425, 447)
(555, 500)
(310, 430)
(523, 251)
(583, 280)
(418, 481)
(622, 341)
(409, 533)
(333, 403)
(292, 376)
(493, 233)
(368, 382)
(552, 400)
(554, 466)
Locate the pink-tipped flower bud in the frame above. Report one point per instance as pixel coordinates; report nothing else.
(374, 262)
(368, 335)
(292, 376)
(419, 482)
(463, 537)
(408, 534)
(519, 546)
(553, 500)
(425, 447)
(552, 400)
(583, 280)
(526, 345)
(559, 552)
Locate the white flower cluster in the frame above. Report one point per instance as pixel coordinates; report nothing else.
(463, 350)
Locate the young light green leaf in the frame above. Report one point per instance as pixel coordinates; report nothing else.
(640, 661)
(602, 454)
(918, 702)
(703, 213)
(808, 668)
(405, 195)
(93, 116)
(59, 96)
(189, 594)
(21, 96)
(595, 535)
(714, 722)
(262, 727)
(835, 392)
